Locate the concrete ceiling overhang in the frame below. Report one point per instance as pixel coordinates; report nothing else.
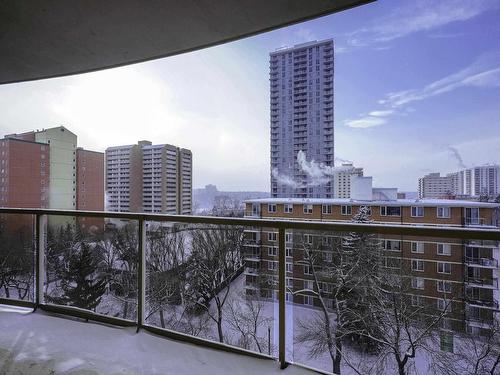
(51, 38)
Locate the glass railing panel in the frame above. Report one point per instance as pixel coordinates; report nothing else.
(210, 281)
(17, 262)
(92, 264)
(352, 298)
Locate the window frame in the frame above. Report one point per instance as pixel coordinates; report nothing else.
(345, 210)
(326, 209)
(442, 208)
(275, 208)
(308, 209)
(417, 212)
(417, 262)
(288, 208)
(444, 266)
(418, 247)
(384, 211)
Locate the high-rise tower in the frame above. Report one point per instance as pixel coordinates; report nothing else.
(301, 88)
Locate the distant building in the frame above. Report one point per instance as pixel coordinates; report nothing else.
(24, 173)
(434, 185)
(149, 178)
(471, 182)
(301, 92)
(342, 180)
(44, 169)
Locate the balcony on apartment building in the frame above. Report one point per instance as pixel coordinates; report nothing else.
(150, 294)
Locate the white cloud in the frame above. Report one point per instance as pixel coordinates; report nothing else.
(365, 122)
(305, 35)
(381, 113)
(478, 74)
(416, 16)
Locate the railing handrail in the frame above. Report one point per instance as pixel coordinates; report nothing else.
(377, 228)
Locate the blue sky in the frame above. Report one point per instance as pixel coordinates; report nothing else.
(412, 79)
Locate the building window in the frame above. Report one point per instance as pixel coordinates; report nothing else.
(289, 267)
(308, 208)
(443, 212)
(444, 286)
(308, 238)
(307, 270)
(417, 265)
(444, 267)
(417, 300)
(444, 305)
(417, 211)
(272, 236)
(417, 247)
(346, 210)
(289, 282)
(418, 283)
(390, 211)
(272, 251)
(308, 300)
(444, 249)
(288, 208)
(392, 245)
(326, 209)
(308, 284)
(289, 252)
(272, 265)
(271, 208)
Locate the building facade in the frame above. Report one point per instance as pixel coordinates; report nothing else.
(149, 178)
(301, 98)
(472, 182)
(463, 275)
(342, 180)
(434, 186)
(24, 173)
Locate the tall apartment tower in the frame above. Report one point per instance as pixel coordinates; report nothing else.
(301, 92)
(342, 180)
(149, 178)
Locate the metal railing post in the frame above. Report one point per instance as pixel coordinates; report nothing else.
(282, 298)
(141, 277)
(41, 229)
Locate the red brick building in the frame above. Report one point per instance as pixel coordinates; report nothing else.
(435, 269)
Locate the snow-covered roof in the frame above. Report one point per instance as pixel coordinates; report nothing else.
(395, 202)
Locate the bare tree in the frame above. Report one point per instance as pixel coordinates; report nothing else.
(474, 353)
(343, 271)
(246, 317)
(214, 263)
(165, 263)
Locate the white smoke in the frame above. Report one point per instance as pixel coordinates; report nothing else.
(318, 173)
(457, 156)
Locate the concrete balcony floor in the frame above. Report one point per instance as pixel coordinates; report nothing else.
(40, 343)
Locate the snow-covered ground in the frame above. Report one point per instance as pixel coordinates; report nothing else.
(39, 344)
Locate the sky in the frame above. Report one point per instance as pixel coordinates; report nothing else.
(416, 85)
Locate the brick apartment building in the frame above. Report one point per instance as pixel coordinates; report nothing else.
(435, 269)
(45, 169)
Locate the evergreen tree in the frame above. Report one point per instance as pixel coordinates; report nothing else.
(365, 252)
(80, 286)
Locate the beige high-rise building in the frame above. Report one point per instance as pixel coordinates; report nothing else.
(342, 180)
(149, 178)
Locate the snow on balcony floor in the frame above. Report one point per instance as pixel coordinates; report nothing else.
(39, 343)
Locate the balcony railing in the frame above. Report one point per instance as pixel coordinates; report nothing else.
(142, 273)
(483, 262)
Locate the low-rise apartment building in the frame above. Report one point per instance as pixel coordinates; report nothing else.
(435, 270)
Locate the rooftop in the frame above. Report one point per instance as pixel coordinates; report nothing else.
(395, 202)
